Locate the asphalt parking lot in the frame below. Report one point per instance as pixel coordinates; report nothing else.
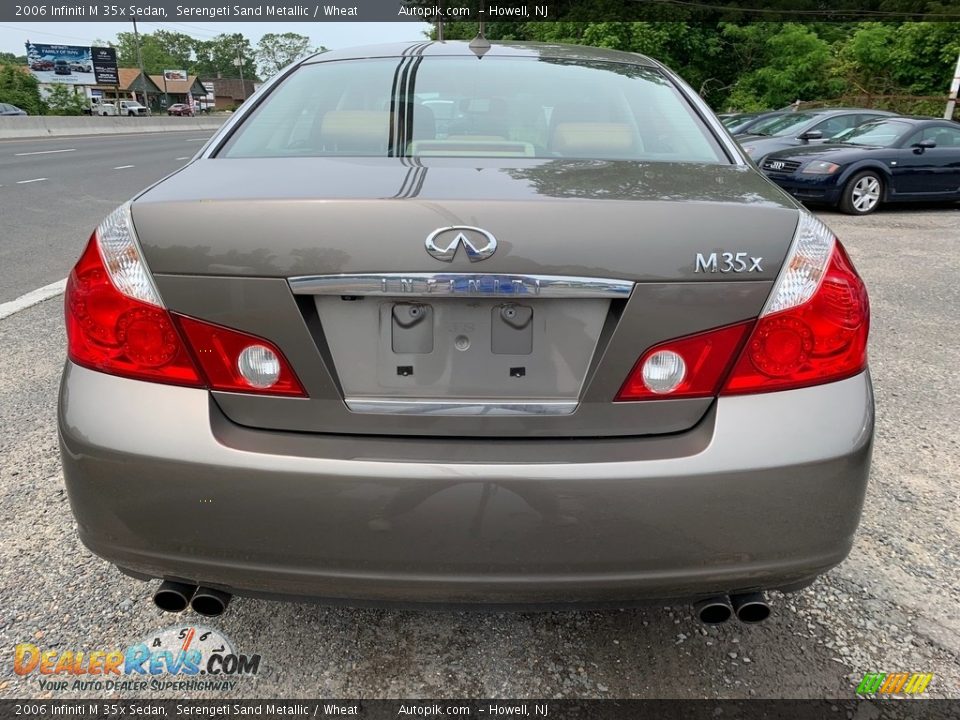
(894, 605)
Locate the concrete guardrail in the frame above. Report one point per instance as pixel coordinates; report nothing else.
(57, 126)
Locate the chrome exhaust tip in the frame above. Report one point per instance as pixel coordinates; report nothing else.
(750, 607)
(715, 610)
(173, 596)
(209, 602)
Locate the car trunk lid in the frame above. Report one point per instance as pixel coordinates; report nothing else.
(595, 262)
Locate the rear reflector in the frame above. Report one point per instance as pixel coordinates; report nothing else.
(116, 324)
(813, 330)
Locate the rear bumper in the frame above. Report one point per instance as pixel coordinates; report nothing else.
(766, 492)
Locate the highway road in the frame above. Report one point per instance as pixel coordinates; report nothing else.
(891, 607)
(54, 191)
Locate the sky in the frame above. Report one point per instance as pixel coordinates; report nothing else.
(332, 35)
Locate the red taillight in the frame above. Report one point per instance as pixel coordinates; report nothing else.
(218, 350)
(113, 333)
(705, 359)
(822, 340)
(819, 336)
(110, 331)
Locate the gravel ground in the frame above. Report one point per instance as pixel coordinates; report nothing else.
(894, 605)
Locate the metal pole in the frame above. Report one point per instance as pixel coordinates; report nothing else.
(243, 87)
(143, 73)
(954, 89)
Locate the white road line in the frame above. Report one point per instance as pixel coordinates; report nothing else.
(32, 298)
(123, 167)
(197, 140)
(43, 152)
(185, 157)
(24, 182)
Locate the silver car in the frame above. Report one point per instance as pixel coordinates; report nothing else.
(559, 343)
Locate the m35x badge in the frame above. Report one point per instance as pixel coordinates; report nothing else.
(727, 262)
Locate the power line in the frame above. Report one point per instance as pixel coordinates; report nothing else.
(177, 30)
(32, 31)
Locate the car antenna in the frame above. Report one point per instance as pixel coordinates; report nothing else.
(480, 45)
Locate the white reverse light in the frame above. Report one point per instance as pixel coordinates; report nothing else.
(259, 366)
(664, 371)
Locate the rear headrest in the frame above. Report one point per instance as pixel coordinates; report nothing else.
(593, 139)
(365, 131)
(943, 138)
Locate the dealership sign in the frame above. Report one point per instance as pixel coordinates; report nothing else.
(72, 64)
(105, 65)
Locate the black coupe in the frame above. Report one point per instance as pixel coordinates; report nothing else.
(899, 159)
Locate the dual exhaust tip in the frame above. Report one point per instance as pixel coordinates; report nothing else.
(749, 608)
(175, 597)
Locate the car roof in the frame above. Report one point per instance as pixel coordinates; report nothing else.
(459, 48)
(845, 110)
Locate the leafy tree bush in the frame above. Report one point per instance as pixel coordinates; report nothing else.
(20, 88)
(62, 100)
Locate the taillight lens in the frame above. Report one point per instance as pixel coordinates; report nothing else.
(698, 362)
(117, 324)
(118, 334)
(813, 330)
(822, 340)
(237, 362)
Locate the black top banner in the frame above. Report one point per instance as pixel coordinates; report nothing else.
(474, 10)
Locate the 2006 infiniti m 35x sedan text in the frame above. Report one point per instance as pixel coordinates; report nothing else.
(509, 325)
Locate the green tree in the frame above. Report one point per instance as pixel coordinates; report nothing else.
(62, 100)
(20, 88)
(798, 65)
(11, 59)
(217, 57)
(277, 50)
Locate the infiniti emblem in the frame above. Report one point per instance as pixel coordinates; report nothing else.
(443, 243)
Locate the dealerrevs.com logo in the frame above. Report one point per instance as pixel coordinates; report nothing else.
(178, 658)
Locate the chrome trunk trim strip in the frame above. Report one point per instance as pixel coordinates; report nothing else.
(459, 407)
(460, 284)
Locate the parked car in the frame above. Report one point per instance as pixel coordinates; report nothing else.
(82, 67)
(8, 109)
(105, 109)
(180, 109)
(516, 361)
(132, 107)
(43, 65)
(795, 129)
(61, 67)
(891, 160)
(739, 123)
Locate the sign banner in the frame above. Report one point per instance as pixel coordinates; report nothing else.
(174, 75)
(65, 64)
(105, 65)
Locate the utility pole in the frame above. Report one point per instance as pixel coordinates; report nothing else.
(954, 88)
(143, 74)
(239, 63)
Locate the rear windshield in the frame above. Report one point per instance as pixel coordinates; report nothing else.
(465, 107)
